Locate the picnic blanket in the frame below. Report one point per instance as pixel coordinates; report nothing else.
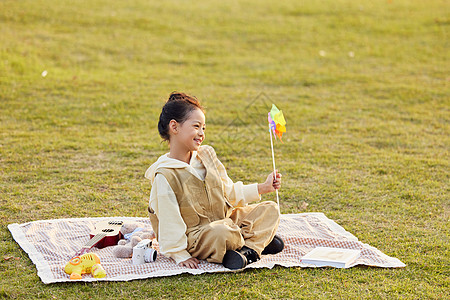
(51, 243)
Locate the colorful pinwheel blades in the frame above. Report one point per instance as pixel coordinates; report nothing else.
(277, 121)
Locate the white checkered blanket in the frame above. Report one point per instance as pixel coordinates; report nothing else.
(51, 243)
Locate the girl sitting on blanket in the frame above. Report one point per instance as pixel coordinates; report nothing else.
(196, 210)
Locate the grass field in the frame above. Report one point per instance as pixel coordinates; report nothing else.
(364, 86)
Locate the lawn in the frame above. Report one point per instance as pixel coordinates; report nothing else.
(364, 87)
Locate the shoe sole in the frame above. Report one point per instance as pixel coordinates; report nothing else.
(234, 260)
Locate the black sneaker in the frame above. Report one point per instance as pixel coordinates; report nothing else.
(274, 247)
(251, 255)
(234, 260)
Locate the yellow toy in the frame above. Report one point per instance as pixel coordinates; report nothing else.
(86, 263)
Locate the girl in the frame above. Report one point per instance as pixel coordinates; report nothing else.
(196, 210)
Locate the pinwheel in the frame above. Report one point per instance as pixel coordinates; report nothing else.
(277, 122)
(277, 125)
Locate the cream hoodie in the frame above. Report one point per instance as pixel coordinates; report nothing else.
(172, 230)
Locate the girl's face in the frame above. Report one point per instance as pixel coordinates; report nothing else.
(191, 132)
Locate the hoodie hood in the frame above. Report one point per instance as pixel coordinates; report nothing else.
(166, 162)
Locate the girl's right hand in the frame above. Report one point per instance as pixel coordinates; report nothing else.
(191, 263)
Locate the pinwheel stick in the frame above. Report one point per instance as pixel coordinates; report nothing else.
(274, 169)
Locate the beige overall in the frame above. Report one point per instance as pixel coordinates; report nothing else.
(213, 224)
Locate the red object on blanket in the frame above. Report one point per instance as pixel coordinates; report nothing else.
(106, 233)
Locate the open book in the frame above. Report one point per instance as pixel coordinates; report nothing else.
(331, 257)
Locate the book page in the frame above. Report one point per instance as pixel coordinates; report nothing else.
(331, 254)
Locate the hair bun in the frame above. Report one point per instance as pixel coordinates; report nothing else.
(176, 96)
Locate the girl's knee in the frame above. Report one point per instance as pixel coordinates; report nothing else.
(271, 207)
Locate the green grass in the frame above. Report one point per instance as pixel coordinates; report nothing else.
(367, 136)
